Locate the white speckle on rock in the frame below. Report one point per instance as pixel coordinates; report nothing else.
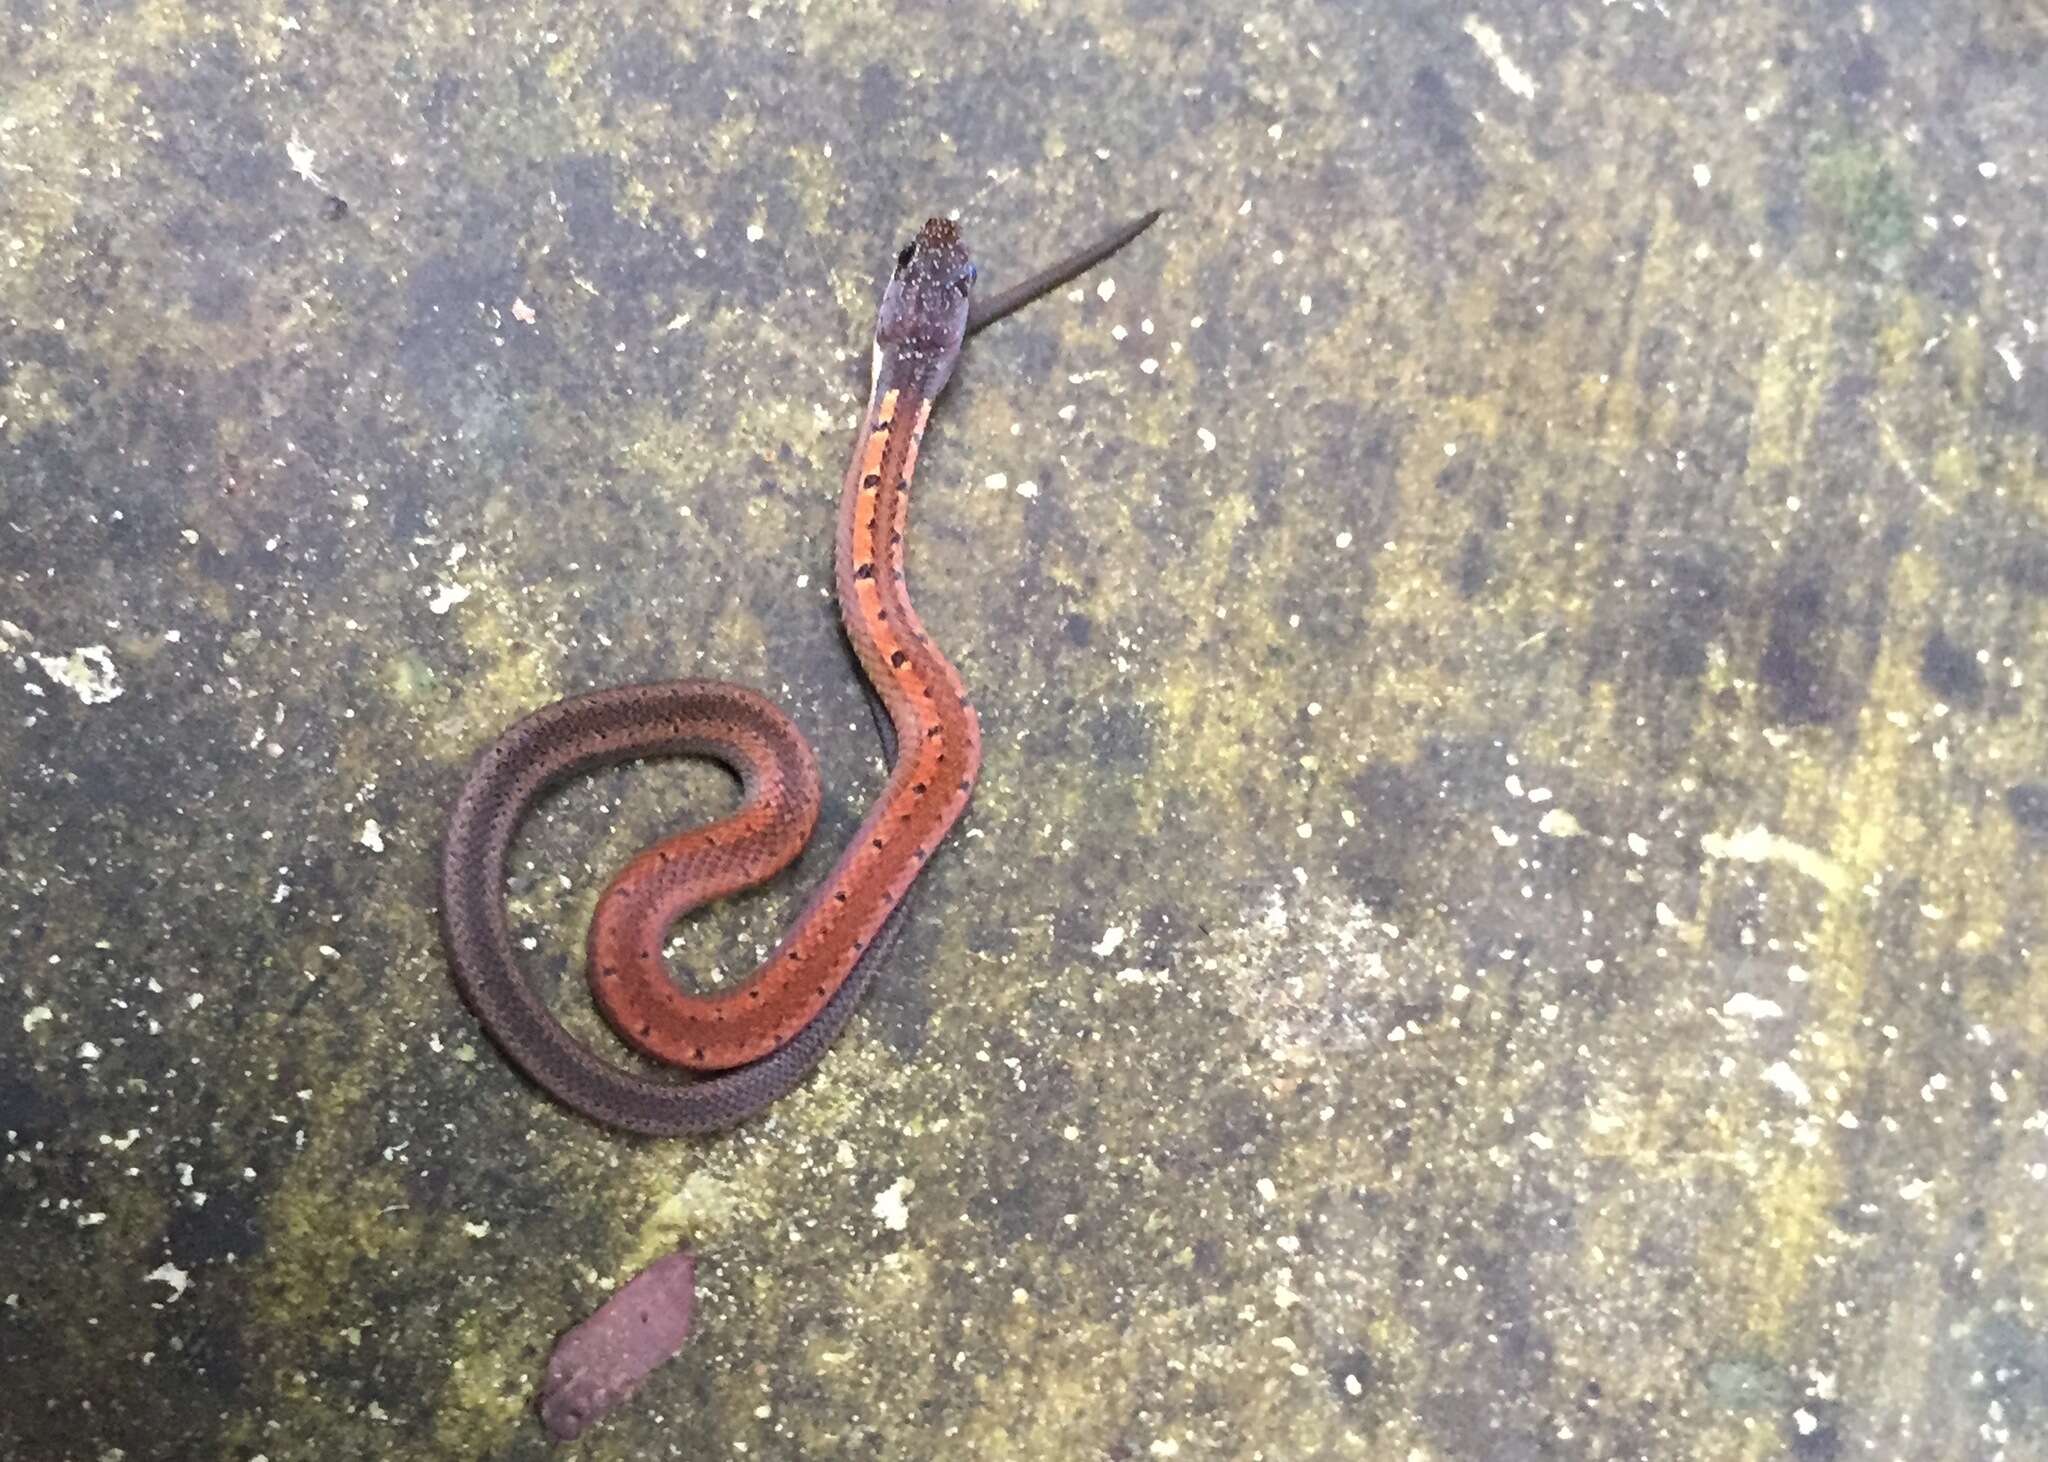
(1106, 289)
(372, 836)
(755, 233)
(1558, 823)
(1112, 940)
(171, 1274)
(1785, 1079)
(1206, 437)
(1513, 77)
(301, 158)
(447, 596)
(1752, 1007)
(35, 1017)
(87, 671)
(1761, 845)
(523, 312)
(890, 1207)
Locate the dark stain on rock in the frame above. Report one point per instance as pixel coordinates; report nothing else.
(899, 1008)
(228, 1226)
(212, 137)
(26, 1113)
(445, 335)
(611, 248)
(1438, 117)
(1396, 814)
(1683, 621)
(1819, 1441)
(212, 1362)
(2023, 564)
(1475, 566)
(645, 66)
(1350, 1374)
(1950, 671)
(443, 101)
(217, 294)
(2028, 804)
(1864, 70)
(1797, 669)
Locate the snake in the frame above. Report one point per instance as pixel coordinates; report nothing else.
(746, 1046)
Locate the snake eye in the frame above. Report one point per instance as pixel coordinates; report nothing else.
(903, 259)
(967, 280)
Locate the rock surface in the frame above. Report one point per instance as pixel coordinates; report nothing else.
(1503, 915)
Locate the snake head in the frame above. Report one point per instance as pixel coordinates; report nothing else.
(923, 318)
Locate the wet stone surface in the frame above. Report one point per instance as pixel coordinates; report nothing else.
(1503, 914)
